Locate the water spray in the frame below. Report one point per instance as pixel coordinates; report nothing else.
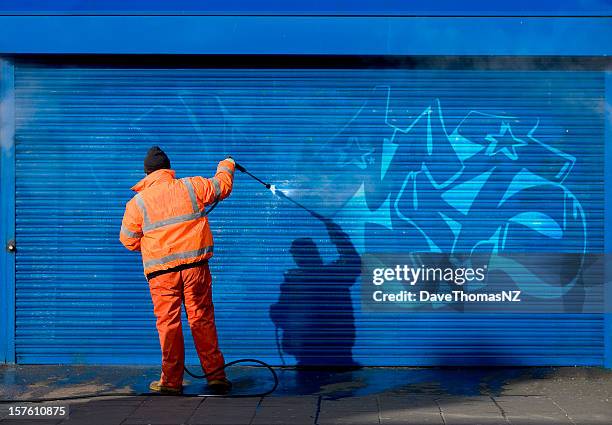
(279, 192)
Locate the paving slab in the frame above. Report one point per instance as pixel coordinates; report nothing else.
(530, 410)
(350, 418)
(102, 412)
(591, 410)
(350, 410)
(225, 411)
(159, 410)
(115, 416)
(409, 409)
(470, 411)
(287, 410)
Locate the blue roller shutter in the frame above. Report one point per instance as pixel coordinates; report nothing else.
(362, 147)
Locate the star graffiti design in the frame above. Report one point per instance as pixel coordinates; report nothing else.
(504, 142)
(352, 153)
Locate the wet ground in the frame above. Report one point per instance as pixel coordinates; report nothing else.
(360, 396)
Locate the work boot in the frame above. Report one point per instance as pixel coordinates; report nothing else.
(157, 387)
(220, 386)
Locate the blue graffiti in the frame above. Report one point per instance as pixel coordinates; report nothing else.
(477, 188)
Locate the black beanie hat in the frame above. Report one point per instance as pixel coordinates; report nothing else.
(155, 160)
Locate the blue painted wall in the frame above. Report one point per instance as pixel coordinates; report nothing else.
(306, 35)
(390, 27)
(313, 7)
(401, 160)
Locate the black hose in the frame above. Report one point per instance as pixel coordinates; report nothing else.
(126, 394)
(226, 365)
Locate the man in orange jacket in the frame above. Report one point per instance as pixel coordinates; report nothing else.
(166, 221)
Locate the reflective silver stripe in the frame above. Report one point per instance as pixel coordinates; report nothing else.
(142, 207)
(179, 256)
(192, 195)
(224, 168)
(129, 233)
(215, 183)
(173, 220)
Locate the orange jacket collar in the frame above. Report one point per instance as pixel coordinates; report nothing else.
(158, 176)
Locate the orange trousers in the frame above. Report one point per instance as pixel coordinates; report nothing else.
(192, 286)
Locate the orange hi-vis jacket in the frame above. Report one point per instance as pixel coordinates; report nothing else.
(166, 219)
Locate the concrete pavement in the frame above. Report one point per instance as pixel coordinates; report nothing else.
(443, 396)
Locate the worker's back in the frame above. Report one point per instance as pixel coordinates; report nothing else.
(168, 217)
(177, 230)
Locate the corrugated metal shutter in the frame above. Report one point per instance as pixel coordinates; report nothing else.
(326, 136)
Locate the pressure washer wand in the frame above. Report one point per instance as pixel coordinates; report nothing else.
(244, 170)
(279, 192)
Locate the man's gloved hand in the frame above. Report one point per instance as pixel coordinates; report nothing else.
(238, 166)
